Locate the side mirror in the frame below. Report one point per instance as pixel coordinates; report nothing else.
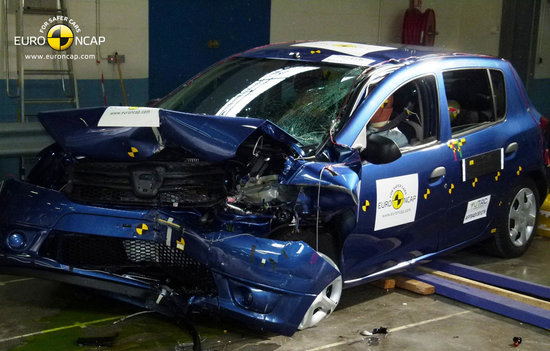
(380, 150)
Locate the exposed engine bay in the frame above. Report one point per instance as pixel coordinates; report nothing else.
(247, 186)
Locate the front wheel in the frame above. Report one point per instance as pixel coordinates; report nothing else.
(518, 220)
(325, 302)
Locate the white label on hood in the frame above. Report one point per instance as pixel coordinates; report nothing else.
(349, 60)
(345, 48)
(126, 116)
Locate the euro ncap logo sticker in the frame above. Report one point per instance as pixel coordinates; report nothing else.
(60, 37)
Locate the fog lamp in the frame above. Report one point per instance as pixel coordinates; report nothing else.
(17, 241)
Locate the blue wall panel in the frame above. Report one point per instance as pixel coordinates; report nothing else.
(180, 31)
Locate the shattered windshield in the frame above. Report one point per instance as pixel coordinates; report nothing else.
(302, 98)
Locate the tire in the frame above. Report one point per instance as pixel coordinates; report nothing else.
(517, 222)
(325, 302)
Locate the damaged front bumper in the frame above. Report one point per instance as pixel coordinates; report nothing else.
(164, 260)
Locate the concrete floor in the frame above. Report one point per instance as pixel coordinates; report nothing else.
(42, 315)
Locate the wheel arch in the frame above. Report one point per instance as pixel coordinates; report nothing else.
(542, 185)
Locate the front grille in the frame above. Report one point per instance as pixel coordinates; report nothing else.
(153, 184)
(127, 256)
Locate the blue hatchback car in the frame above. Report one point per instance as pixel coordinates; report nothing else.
(268, 183)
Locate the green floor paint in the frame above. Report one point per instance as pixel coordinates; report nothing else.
(67, 312)
(143, 332)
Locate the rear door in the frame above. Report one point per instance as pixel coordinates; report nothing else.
(481, 141)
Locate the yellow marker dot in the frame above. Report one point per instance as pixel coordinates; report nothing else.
(142, 228)
(365, 206)
(180, 244)
(471, 162)
(451, 188)
(426, 194)
(133, 151)
(497, 176)
(493, 231)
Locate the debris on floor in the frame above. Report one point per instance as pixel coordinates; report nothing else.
(369, 336)
(517, 341)
(373, 341)
(365, 333)
(381, 330)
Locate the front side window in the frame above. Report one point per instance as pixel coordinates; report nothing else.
(410, 115)
(475, 97)
(304, 99)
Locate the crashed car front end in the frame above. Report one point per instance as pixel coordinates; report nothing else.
(193, 213)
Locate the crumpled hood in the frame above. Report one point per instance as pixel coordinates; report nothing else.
(130, 133)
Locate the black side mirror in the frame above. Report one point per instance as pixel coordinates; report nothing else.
(380, 150)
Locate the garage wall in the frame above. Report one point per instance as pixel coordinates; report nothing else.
(463, 26)
(539, 89)
(125, 31)
(466, 25)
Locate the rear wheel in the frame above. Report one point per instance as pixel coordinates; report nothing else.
(325, 302)
(518, 220)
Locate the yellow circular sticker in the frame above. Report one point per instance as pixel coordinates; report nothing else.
(142, 229)
(60, 37)
(398, 199)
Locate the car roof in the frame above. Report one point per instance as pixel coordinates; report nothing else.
(356, 54)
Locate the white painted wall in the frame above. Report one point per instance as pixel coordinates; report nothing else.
(542, 69)
(465, 25)
(124, 23)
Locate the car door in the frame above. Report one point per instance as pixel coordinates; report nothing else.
(402, 203)
(480, 143)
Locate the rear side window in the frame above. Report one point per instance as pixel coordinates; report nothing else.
(499, 92)
(475, 97)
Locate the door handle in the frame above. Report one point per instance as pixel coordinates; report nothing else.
(511, 148)
(437, 173)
